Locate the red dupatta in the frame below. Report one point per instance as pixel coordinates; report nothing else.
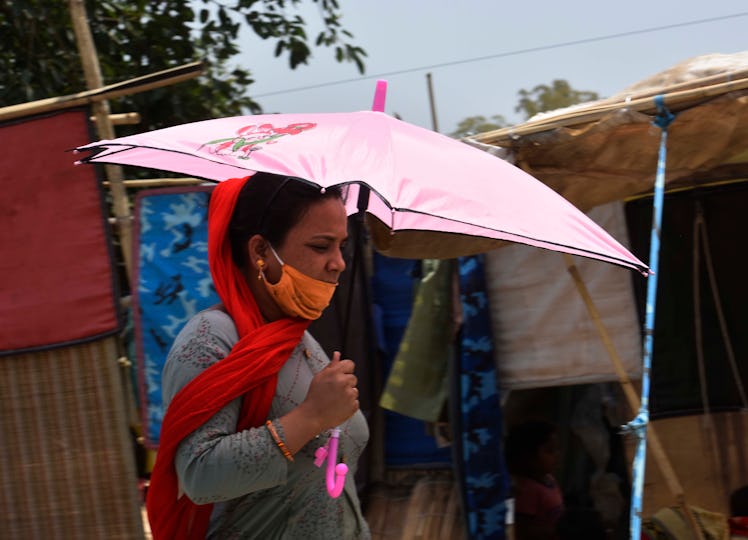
(250, 370)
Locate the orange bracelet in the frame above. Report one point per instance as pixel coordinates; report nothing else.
(278, 441)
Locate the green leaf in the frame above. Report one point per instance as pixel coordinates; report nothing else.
(279, 48)
(39, 57)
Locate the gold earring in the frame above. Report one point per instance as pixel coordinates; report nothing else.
(260, 263)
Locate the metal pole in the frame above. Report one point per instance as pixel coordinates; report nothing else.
(638, 426)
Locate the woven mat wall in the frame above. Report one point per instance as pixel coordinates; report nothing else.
(415, 504)
(68, 463)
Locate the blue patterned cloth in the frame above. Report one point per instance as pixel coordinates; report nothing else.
(172, 284)
(483, 474)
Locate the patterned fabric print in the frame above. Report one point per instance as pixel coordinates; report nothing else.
(258, 494)
(484, 476)
(173, 283)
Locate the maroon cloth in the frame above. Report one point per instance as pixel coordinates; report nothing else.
(57, 281)
(540, 501)
(739, 527)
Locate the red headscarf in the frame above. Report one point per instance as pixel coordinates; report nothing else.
(250, 370)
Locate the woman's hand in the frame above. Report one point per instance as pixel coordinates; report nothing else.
(331, 400)
(333, 397)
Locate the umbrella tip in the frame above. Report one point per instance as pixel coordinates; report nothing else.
(380, 95)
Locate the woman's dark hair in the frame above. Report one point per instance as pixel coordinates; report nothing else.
(270, 205)
(523, 442)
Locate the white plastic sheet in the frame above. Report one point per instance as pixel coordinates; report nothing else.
(543, 333)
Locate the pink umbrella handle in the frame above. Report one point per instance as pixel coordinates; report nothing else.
(380, 95)
(335, 473)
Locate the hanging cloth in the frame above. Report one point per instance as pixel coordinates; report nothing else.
(418, 384)
(484, 479)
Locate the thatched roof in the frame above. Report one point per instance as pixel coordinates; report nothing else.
(606, 150)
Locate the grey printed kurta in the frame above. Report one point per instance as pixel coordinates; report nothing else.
(256, 492)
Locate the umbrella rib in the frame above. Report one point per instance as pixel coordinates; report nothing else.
(642, 268)
(125, 147)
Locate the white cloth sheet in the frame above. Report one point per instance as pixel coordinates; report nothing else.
(543, 333)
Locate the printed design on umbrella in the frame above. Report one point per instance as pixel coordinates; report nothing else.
(253, 137)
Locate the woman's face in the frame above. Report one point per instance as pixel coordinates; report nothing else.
(314, 245)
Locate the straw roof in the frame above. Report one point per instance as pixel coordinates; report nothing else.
(606, 150)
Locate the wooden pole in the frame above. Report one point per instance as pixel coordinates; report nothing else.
(159, 79)
(122, 119)
(92, 72)
(675, 101)
(161, 182)
(655, 445)
(434, 122)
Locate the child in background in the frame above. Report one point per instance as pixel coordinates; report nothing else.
(532, 452)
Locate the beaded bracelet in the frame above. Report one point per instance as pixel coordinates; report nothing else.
(278, 441)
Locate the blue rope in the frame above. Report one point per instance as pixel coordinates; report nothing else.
(638, 426)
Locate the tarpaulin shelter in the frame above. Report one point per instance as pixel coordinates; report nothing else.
(606, 152)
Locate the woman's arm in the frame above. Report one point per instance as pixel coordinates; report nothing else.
(215, 463)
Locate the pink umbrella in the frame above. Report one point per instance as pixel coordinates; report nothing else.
(431, 196)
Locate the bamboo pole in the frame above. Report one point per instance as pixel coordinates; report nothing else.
(674, 100)
(655, 445)
(122, 119)
(159, 79)
(159, 182)
(92, 72)
(670, 191)
(709, 80)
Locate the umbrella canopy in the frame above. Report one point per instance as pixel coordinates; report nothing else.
(430, 196)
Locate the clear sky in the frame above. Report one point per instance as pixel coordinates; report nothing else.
(521, 43)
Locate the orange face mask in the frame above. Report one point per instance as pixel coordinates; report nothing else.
(297, 294)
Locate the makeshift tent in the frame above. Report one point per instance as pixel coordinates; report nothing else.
(607, 151)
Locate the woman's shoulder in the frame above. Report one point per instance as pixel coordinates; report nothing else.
(208, 336)
(213, 321)
(214, 314)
